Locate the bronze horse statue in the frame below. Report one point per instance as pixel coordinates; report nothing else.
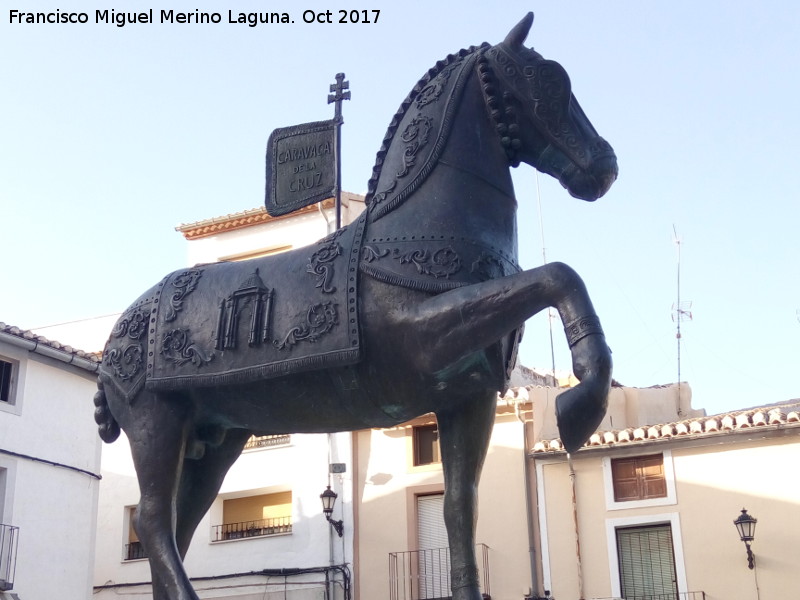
(417, 307)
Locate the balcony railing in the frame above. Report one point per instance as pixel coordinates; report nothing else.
(134, 551)
(9, 537)
(425, 574)
(267, 441)
(248, 529)
(669, 596)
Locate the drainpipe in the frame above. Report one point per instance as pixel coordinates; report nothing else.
(356, 556)
(528, 504)
(575, 523)
(328, 228)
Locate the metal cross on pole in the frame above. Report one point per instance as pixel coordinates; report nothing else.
(341, 92)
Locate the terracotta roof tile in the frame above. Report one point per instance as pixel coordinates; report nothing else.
(26, 334)
(247, 218)
(764, 417)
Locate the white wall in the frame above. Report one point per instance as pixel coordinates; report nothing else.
(53, 506)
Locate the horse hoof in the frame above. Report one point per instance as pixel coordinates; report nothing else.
(579, 412)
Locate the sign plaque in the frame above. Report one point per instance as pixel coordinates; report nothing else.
(301, 166)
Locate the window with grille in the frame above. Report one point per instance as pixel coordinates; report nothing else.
(646, 562)
(433, 559)
(133, 548)
(426, 445)
(255, 516)
(638, 478)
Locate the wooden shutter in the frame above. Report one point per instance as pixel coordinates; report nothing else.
(639, 478)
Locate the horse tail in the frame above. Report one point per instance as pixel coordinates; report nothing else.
(108, 428)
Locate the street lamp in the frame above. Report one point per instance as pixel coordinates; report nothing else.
(328, 498)
(746, 526)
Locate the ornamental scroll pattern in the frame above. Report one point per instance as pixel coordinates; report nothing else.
(433, 263)
(184, 284)
(321, 262)
(440, 264)
(434, 89)
(421, 135)
(177, 347)
(488, 266)
(320, 319)
(128, 361)
(415, 137)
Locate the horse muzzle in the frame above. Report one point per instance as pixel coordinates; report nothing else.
(593, 182)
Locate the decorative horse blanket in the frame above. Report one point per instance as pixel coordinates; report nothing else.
(237, 322)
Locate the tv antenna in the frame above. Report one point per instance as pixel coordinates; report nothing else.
(681, 311)
(550, 315)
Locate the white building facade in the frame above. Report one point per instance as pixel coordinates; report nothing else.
(49, 468)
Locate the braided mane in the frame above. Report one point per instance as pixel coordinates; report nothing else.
(398, 117)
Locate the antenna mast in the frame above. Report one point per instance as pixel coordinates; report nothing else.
(544, 262)
(680, 312)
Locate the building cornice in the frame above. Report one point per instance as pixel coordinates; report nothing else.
(251, 217)
(762, 420)
(38, 344)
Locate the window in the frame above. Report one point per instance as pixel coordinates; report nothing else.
(255, 516)
(433, 560)
(12, 377)
(426, 445)
(638, 478)
(7, 372)
(646, 562)
(133, 548)
(645, 552)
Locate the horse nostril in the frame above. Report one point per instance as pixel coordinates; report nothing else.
(605, 172)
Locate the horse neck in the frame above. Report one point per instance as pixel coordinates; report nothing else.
(469, 193)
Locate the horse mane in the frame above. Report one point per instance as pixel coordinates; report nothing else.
(398, 117)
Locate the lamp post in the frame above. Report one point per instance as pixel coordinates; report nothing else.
(328, 498)
(746, 526)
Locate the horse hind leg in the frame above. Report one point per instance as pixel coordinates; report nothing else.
(157, 428)
(201, 480)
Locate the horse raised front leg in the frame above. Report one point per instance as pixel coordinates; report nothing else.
(456, 323)
(464, 439)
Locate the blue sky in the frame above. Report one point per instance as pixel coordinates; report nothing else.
(109, 137)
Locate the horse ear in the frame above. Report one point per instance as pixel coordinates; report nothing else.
(517, 36)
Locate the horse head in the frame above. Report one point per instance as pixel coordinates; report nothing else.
(539, 120)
